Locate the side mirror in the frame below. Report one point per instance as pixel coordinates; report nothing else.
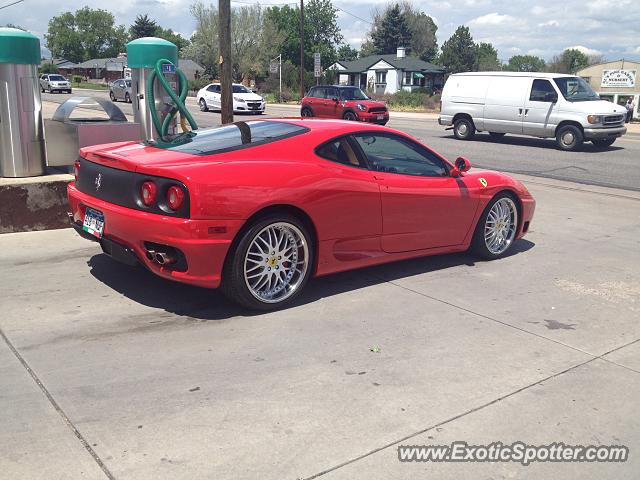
(335, 99)
(550, 97)
(461, 165)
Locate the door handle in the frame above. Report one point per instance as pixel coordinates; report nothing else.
(519, 112)
(526, 112)
(378, 177)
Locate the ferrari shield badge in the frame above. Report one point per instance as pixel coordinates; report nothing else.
(482, 181)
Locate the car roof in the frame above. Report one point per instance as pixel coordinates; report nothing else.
(335, 86)
(329, 126)
(512, 74)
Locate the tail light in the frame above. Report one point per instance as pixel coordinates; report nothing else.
(76, 169)
(148, 193)
(175, 197)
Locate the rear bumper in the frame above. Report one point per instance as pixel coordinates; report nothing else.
(604, 133)
(204, 243)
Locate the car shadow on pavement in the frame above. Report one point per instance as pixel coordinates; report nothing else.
(143, 287)
(548, 143)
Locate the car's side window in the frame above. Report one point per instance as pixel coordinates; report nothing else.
(331, 93)
(542, 91)
(340, 151)
(393, 154)
(213, 88)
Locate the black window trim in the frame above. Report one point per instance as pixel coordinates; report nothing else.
(447, 166)
(364, 163)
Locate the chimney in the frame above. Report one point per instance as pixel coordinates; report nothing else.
(401, 52)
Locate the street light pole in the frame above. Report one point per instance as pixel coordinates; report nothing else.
(226, 89)
(301, 49)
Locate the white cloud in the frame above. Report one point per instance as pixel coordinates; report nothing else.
(493, 19)
(550, 23)
(586, 50)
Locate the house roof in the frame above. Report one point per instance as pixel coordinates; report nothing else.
(187, 64)
(59, 62)
(412, 64)
(102, 62)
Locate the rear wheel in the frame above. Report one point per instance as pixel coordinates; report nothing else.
(496, 230)
(603, 143)
(306, 112)
(270, 264)
(127, 98)
(350, 116)
(112, 97)
(569, 137)
(464, 129)
(203, 105)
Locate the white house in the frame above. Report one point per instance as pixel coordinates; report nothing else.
(389, 73)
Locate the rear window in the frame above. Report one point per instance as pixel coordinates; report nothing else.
(232, 137)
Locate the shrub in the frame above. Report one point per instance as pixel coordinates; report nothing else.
(77, 79)
(48, 68)
(198, 83)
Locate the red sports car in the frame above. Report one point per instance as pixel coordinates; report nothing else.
(259, 207)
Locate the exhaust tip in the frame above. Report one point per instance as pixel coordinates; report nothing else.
(151, 255)
(164, 258)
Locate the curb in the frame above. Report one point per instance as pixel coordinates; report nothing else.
(37, 203)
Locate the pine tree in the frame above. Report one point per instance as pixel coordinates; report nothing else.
(459, 53)
(393, 31)
(143, 27)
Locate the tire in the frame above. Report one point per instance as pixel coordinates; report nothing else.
(203, 105)
(42, 88)
(496, 135)
(569, 138)
(248, 265)
(464, 129)
(69, 91)
(350, 116)
(499, 220)
(306, 112)
(127, 97)
(112, 97)
(603, 143)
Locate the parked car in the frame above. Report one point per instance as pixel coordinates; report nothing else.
(244, 100)
(544, 105)
(120, 90)
(54, 83)
(346, 102)
(259, 207)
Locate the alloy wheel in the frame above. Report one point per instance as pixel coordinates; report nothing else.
(500, 226)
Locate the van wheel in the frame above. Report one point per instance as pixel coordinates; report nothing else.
(463, 129)
(603, 143)
(569, 137)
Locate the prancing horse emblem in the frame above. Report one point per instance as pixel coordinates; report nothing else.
(98, 181)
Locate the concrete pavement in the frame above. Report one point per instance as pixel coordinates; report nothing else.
(152, 379)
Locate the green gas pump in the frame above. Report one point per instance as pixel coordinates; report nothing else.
(158, 91)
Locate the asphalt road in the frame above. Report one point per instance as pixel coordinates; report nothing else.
(616, 167)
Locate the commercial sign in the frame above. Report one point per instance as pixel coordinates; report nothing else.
(618, 78)
(317, 66)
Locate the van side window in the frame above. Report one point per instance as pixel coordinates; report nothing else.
(542, 91)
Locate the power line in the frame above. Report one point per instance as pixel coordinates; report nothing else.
(9, 4)
(355, 16)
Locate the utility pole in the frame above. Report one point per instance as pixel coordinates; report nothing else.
(226, 89)
(302, 92)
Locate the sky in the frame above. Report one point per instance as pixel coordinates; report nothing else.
(610, 28)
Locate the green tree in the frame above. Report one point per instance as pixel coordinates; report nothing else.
(487, 58)
(459, 53)
(526, 63)
(574, 60)
(204, 42)
(322, 33)
(143, 26)
(89, 33)
(390, 31)
(423, 42)
(175, 38)
(48, 67)
(346, 52)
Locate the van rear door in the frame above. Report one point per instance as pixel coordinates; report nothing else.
(504, 105)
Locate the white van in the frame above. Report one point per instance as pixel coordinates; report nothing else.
(538, 104)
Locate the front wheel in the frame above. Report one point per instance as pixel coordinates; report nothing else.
(350, 116)
(127, 98)
(270, 264)
(306, 112)
(603, 143)
(203, 105)
(569, 137)
(112, 97)
(497, 228)
(464, 129)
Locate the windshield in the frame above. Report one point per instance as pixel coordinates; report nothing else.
(575, 89)
(240, 89)
(353, 94)
(57, 78)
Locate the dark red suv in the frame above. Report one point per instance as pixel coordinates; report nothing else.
(338, 101)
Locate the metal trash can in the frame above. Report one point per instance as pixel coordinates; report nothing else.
(22, 152)
(66, 135)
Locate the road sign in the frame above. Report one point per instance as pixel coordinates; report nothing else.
(317, 66)
(273, 67)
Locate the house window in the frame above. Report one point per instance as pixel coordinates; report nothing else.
(381, 77)
(408, 76)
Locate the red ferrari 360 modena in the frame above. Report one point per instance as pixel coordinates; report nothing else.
(259, 207)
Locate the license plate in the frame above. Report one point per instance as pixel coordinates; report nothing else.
(380, 117)
(93, 222)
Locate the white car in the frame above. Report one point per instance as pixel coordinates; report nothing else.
(244, 100)
(54, 82)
